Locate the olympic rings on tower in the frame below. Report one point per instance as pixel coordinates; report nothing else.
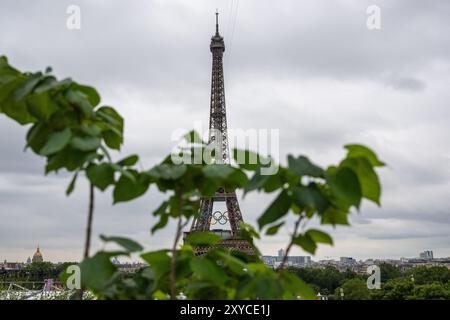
(218, 217)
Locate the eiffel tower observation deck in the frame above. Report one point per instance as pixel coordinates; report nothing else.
(220, 214)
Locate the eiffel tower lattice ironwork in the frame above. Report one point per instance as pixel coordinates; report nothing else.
(218, 134)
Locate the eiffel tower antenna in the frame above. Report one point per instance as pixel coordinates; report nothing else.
(217, 22)
(218, 134)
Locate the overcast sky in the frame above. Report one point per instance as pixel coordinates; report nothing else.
(311, 69)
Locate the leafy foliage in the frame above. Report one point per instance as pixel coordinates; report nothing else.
(424, 275)
(73, 132)
(354, 289)
(395, 284)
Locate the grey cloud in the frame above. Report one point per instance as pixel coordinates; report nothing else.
(410, 84)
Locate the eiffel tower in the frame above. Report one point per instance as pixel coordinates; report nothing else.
(218, 134)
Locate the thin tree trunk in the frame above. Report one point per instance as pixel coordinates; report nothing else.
(173, 271)
(87, 243)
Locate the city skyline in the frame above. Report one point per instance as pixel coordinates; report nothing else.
(391, 99)
(313, 258)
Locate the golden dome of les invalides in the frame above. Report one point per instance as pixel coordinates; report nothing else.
(37, 256)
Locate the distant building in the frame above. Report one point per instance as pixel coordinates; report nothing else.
(280, 254)
(37, 256)
(290, 260)
(299, 259)
(28, 260)
(428, 255)
(348, 261)
(269, 260)
(11, 265)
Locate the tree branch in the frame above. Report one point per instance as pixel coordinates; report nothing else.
(291, 243)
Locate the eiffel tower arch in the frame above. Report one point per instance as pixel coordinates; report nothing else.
(209, 218)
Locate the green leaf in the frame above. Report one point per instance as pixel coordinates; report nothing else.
(96, 271)
(248, 231)
(159, 261)
(344, 185)
(129, 161)
(71, 186)
(111, 116)
(303, 167)
(277, 209)
(56, 142)
(306, 243)
(126, 189)
(161, 209)
(27, 86)
(214, 171)
(319, 236)
(78, 100)
(87, 143)
(310, 197)
(100, 175)
(357, 150)
(41, 106)
(273, 183)
(334, 217)
(274, 229)
(164, 217)
(91, 130)
(128, 173)
(256, 182)
(90, 92)
(368, 179)
(202, 239)
(257, 268)
(235, 264)
(208, 270)
(7, 73)
(16, 110)
(3, 61)
(163, 220)
(159, 295)
(112, 139)
(50, 83)
(68, 158)
(127, 244)
(37, 136)
(248, 160)
(268, 183)
(238, 178)
(45, 84)
(295, 285)
(167, 171)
